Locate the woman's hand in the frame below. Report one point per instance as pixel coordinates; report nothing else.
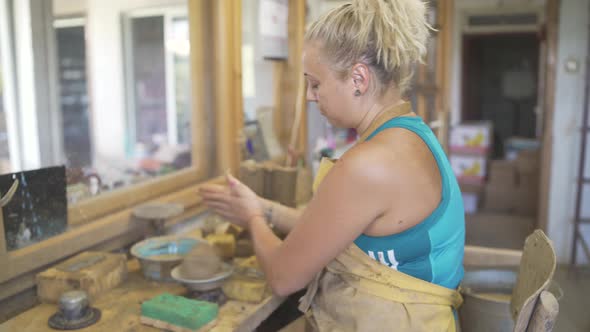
(235, 202)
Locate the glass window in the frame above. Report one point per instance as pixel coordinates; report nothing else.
(159, 86)
(111, 87)
(73, 95)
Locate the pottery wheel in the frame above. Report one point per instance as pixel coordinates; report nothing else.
(59, 322)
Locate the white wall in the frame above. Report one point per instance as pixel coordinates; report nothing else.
(257, 72)
(572, 42)
(69, 7)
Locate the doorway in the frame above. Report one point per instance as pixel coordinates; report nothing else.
(500, 84)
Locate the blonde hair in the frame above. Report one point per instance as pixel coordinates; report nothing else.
(387, 35)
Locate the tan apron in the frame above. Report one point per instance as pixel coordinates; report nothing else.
(356, 293)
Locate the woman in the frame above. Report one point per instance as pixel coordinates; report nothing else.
(380, 245)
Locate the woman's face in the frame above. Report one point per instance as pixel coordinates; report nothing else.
(333, 95)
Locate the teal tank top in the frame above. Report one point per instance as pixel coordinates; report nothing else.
(433, 249)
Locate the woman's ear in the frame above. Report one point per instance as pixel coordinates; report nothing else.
(361, 78)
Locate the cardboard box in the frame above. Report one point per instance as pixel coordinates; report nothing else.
(529, 181)
(527, 202)
(515, 145)
(471, 202)
(502, 173)
(500, 199)
(497, 230)
(471, 138)
(469, 169)
(528, 161)
(472, 197)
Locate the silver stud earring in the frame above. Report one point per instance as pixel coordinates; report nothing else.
(357, 92)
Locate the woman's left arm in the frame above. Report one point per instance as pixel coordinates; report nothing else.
(349, 199)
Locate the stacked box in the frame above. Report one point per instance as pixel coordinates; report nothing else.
(470, 145)
(528, 163)
(501, 187)
(513, 185)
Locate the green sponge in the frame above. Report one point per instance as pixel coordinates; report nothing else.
(180, 311)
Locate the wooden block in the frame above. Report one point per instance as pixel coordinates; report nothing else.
(245, 290)
(196, 233)
(252, 175)
(93, 272)
(251, 261)
(229, 228)
(282, 186)
(225, 244)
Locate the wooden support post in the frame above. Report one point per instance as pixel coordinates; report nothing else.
(551, 30)
(300, 34)
(278, 73)
(198, 21)
(292, 70)
(228, 91)
(444, 68)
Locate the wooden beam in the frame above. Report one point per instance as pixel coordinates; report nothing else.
(551, 30)
(491, 257)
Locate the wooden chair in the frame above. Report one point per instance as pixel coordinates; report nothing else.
(532, 307)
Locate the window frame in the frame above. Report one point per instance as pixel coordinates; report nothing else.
(108, 216)
(9, 82)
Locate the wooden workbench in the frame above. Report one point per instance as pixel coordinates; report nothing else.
(120, 309)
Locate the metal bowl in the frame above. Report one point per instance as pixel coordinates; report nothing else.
(159, 255)
(201, 285)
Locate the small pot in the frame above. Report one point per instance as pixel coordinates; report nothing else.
(73, 305)
(74, 312)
